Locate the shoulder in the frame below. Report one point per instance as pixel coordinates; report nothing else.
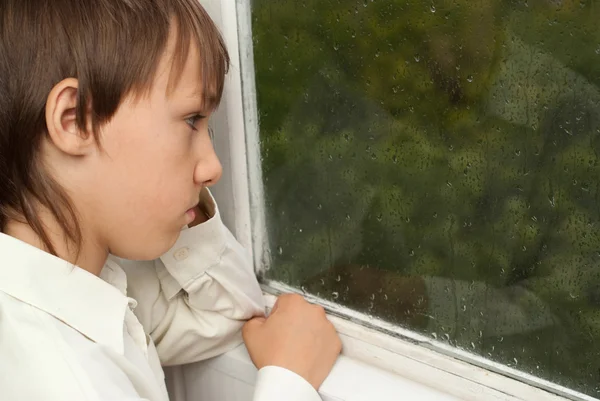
(33, 365)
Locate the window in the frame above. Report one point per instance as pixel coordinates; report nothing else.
(437, 165)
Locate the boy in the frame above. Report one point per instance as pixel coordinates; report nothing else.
(105, 156)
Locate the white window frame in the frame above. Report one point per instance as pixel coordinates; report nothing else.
(372, 342)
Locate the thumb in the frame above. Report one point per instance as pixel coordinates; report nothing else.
(252, 326)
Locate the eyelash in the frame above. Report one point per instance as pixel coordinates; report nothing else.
(191, 121)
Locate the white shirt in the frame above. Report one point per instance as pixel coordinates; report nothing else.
(68, 335)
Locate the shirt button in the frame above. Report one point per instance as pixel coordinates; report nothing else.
(181, 254)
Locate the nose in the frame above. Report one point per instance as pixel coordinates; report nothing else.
(208, 169)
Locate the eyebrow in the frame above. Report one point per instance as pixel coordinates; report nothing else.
(209, 102)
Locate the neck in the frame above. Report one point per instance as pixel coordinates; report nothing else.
(91, 255)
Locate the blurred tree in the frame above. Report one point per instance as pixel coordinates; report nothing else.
(436, 164)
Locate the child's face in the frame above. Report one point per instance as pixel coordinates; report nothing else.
(155, 159)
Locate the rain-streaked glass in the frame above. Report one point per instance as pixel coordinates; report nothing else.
(437, 164)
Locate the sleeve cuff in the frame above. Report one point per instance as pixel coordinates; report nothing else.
(279, 384)
(198, 249)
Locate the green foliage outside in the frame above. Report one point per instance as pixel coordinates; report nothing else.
(456, 143)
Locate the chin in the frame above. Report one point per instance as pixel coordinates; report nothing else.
(151, 248)
(162, 247)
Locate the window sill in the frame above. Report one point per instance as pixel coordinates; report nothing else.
(232, 377)
(374, 366)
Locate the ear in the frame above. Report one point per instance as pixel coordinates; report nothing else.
(61, 120)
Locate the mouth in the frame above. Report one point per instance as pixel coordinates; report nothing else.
(191, 213)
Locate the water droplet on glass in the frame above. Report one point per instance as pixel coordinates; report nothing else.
(322, 282)
(598, 50)
(303, 289)
(449, 184)
(447, 337)
(470, 78)
(319, 206)
(411, 253)
(385, 297)
(473, 345)
(339, 278)
(335, 295)
(336, 47)
(417, 58)
(372, 297)
(434, 335)
(464, 308)
(280, 250)
(516, 361)
(348, 217)
(432, 8)
(379, 217)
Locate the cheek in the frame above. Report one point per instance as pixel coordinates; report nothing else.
(149, 164)
(152, 161)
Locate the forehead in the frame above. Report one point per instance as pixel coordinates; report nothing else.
(184, 74)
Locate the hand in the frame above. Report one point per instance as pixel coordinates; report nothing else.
(296, 336)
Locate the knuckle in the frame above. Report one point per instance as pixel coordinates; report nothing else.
(297, 298)
(338, 345)
(333, 331)
(319, 310)
(291, 298)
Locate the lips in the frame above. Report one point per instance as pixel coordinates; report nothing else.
(190, 215)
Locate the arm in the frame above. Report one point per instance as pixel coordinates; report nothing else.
(194, 300)
(279, 384)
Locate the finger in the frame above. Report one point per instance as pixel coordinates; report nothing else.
(274, 308)
(320, 311)
(289, 301)
(252, 326)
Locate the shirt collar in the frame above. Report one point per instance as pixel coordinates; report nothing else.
(74, 296)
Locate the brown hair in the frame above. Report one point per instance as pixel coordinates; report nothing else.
(113, 48)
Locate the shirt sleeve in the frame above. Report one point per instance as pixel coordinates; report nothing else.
(194, 300)
(279, 384)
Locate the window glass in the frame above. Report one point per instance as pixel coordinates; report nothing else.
(437, 164)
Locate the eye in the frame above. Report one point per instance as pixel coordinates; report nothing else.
(193, 120)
